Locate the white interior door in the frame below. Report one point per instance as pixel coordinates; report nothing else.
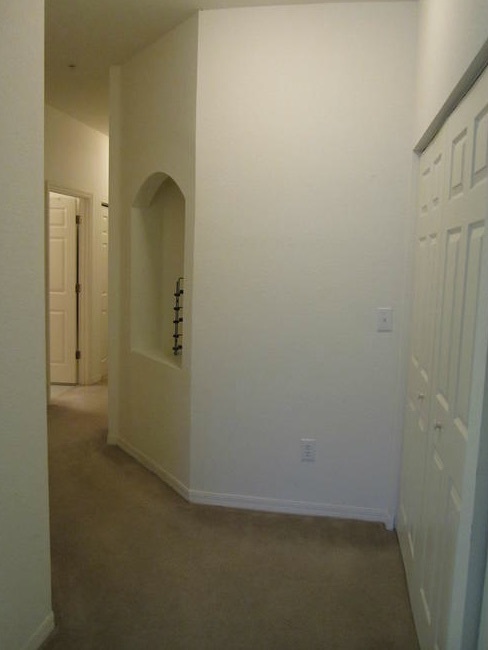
(62, 288)
(104, 291)
(448, 300)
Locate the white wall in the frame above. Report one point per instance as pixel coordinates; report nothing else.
(76, 158)
(25, 599)
(451, 32)
(304, 131)
(154, 131)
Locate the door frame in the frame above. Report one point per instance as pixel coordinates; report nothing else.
(84, 269)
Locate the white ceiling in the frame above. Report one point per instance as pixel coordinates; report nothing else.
(95, 34)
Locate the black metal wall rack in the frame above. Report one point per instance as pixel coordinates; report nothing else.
(178, 318)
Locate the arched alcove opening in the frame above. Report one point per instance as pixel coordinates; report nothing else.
(157, 264)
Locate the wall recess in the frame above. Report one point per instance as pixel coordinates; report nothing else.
(157, 263)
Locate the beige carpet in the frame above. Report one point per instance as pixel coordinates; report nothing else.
(136, 567)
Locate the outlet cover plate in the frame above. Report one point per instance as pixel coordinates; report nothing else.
(384, 319)
(307, 448)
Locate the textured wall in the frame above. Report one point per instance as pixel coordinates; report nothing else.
(154, 96)
(25, 599)
(304, 129)
(451, 32)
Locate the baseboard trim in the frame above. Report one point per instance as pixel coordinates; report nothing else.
(41, 634)
(152, 466)
(112, 439)
(291, 507)
(263, 504)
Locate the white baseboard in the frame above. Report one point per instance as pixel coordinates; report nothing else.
(152, 466)
(41, 634)
(112, 439)
(291, 507)
(256, 503)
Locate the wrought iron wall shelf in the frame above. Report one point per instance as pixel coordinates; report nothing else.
(178, 318)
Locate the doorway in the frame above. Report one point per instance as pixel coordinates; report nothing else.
(64, 288)
(66, 216)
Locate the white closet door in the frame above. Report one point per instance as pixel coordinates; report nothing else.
(429, 211)
(445, 328)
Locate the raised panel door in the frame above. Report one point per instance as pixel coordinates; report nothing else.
(62, 289)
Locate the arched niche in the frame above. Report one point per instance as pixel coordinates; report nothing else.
(157, 261)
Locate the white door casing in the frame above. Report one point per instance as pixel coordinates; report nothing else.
(62, 288)
(104, 290)
(453, 208)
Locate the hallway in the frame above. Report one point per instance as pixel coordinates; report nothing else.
(136, 567)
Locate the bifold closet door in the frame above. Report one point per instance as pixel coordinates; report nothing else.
(429, 210)
(441, 365)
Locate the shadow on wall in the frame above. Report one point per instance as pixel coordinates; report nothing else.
(156, 265)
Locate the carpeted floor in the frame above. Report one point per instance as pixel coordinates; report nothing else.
(136, 567)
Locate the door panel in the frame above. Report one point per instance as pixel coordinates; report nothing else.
(480, 157)
(446, 337)
(429, 583)
(57, 324)
(473, 277)
(62, 293)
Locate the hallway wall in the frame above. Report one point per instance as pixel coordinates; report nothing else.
(76, 158)
(303, 144)
(154, 99)
(25, 584)
(304, 129)
(451, 33)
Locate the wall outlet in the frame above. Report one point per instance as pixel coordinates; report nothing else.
(307, 448)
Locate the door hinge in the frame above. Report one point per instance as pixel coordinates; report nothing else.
(77, 287)
(78, 354)
(78, 219)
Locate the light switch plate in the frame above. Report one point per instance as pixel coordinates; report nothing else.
(384, 319)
